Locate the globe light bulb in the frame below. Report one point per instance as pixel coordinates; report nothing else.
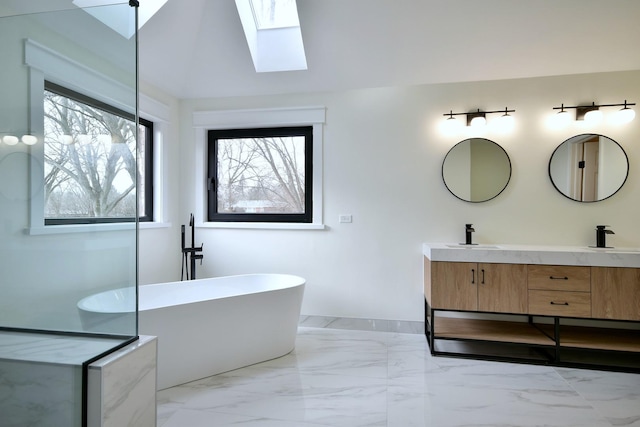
(506, 122)
(10, 140)
(563, 117)
(29, 139)
(478, 122)
(451, 125)
(625, 115)
(593, 117)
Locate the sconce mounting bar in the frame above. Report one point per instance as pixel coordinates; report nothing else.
(479, 112)
(593, 105)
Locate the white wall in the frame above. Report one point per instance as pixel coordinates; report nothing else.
(383, 151)
(159, 246)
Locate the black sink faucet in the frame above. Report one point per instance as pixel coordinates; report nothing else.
(467, 234)
(601, 234)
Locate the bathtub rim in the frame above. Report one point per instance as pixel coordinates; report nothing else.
(83, 304)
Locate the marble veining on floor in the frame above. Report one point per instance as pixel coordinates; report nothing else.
(351, 378)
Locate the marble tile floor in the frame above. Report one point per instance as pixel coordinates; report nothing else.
(349, 378)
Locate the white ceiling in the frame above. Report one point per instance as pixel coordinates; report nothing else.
(196, 48)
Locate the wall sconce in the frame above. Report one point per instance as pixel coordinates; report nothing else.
(591, 114)
(11, 140)
(478, 119)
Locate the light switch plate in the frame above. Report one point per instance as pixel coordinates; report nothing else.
(345, 218)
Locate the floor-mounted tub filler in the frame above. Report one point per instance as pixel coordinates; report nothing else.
(208, 326)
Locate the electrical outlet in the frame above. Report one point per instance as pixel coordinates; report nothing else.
(345, 218)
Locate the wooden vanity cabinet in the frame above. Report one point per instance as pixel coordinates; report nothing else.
(468, 286)
(615, 293)
(559, 290)
(502, 288)
(557, 314)
(453, 286)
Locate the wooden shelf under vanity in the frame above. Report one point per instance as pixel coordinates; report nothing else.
(491, 330)
(627, 340)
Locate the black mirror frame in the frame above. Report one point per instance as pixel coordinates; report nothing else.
(588, 201)
(490, 198)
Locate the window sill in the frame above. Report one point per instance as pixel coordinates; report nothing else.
(261, 225)
(150, 225)
(91, 228)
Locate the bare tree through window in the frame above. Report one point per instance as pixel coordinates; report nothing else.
(91, 167)
(261, 174)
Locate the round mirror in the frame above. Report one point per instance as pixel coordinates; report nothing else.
(476, 170)
(588, 167)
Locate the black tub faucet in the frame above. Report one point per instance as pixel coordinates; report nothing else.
(191, 254)
(601, 234)
(467, 234)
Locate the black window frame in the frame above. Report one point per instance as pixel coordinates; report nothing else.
(148, 159)
(264, 132)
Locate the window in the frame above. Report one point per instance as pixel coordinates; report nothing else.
(260, 175)
(273, 33)
(90, 153)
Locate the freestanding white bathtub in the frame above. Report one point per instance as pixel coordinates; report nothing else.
(208, 326)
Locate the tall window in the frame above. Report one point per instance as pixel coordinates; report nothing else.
(261, 175)
(91, 172)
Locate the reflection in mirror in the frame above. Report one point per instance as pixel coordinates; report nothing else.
(588, 167)
(476, 170)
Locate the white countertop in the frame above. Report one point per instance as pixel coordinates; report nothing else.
(527, 254)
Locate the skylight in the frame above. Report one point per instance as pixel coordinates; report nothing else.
(272, 30)
(275, 14)
(111, 14)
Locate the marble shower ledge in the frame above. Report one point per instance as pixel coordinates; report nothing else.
(526, 254)
(55, 349)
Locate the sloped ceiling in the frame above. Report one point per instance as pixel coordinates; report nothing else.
(196, 48)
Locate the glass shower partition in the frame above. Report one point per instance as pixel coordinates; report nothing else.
(68, 204)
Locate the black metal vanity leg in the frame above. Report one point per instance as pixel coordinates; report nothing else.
(429, 329)
(428, 320)
(556, 336)
(432, 332)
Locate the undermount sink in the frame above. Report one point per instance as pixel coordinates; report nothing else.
(615, 250)
(464, 246)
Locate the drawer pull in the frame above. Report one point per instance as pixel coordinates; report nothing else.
(558, 278)
(559, 303)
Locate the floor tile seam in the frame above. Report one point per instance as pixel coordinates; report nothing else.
(376, 338)
(351, 329)
(342, 375)
(169, 405)
(260, 394)
(252, 417)
(387, 387)
(583, 397)
(389, 328)
(255, 417)
(364, 330)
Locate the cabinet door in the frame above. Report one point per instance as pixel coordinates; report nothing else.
(502, 288)
(615, 293)
(453, 285)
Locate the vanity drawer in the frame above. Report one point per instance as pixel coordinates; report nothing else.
(559, 278)
(560, 303)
